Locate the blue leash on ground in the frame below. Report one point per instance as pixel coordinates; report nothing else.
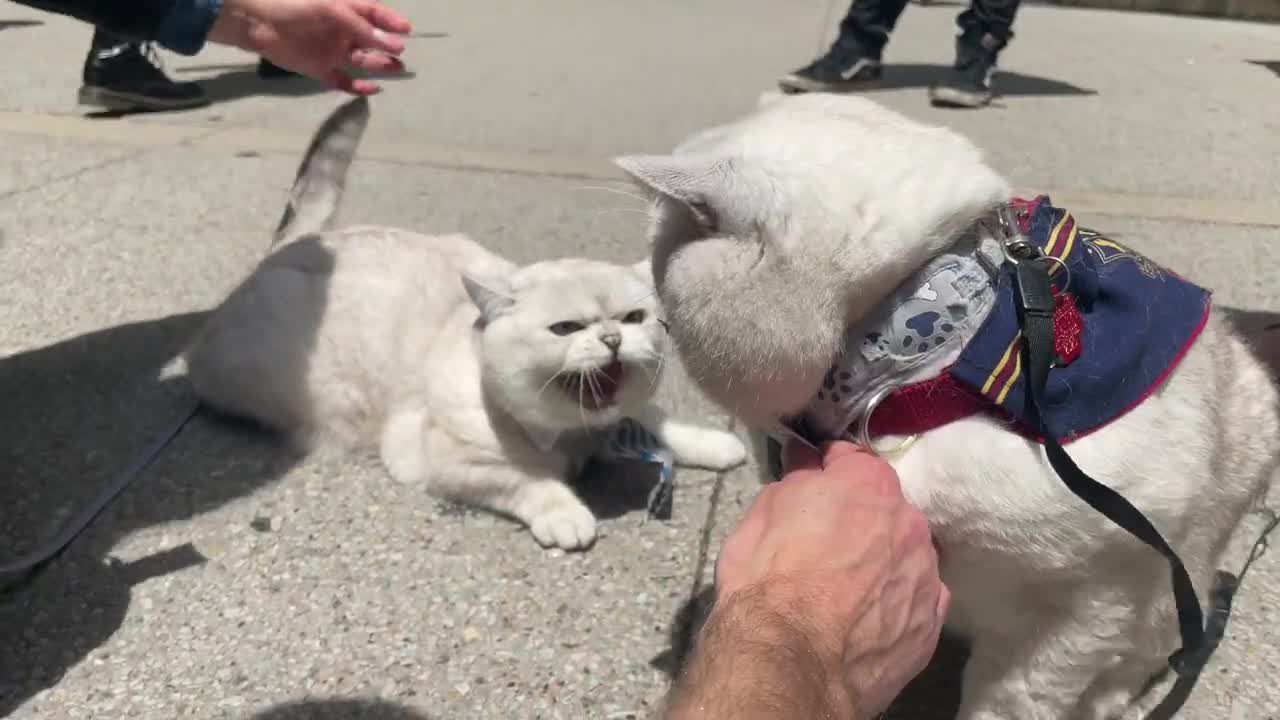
(31, 564)
(629, 440)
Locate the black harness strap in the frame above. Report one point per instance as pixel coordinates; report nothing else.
(1035, 310)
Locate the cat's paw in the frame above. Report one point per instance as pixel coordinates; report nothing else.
(712, 449)
(565, 525)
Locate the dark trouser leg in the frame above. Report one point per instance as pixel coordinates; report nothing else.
(853, 61)
(994, 17)
(869, 23)
(985, 29)
(103, 40)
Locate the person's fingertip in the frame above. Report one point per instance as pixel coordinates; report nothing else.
(862, 467)
(376, 62)
(389, 20)
(341, 81)
(841, 449)
(388, 43)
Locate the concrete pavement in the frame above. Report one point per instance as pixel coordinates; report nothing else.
(237, 582)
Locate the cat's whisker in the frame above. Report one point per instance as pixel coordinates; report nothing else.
(646, 296)
(615, 191)
(582, 409)
(619, 210)
(546, 384)
(593, 386)
(656, 373)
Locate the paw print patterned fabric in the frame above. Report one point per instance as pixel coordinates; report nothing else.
(915, 332)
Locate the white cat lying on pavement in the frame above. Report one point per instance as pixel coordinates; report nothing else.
(488, 383)
(827, 262)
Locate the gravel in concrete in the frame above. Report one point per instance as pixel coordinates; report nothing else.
(237, 581)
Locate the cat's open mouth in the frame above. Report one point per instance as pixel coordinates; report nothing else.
(597, 388)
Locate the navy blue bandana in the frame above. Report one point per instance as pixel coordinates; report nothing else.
(1136, 320)
(1122, 325)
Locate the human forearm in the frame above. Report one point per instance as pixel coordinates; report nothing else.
(754, 660)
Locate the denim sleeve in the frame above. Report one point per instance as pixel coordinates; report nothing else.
(188, 22)
(136, 19)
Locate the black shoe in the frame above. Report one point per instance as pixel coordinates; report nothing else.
(268, 69)
(969, 82)
(844, 67)
(128, 77)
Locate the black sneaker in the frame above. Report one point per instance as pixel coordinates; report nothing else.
(969, 83)
(843, 68)
(128, 78)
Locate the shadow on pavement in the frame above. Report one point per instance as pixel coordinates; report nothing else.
(898, 76)
(614, 489)
(1261, 328)
(10, 24)
(341, 709)
(236, 82)
(1272, 65)
(933, 695)
(72, 415)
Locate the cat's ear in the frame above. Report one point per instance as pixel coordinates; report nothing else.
(491, 295)
(691, 179)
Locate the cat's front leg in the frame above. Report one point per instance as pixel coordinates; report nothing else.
(533, 495)
(693, 445)
(552, 512)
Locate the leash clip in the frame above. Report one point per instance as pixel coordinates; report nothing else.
(1016, 246)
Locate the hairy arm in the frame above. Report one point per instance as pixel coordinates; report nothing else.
(828, 598)
(754, 661)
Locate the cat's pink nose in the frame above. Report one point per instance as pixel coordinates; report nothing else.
(611, 340)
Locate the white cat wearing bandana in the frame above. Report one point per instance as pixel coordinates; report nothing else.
(476, 379)
(824, 255)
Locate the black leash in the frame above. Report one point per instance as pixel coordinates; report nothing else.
(26, 568)
(1035, 311)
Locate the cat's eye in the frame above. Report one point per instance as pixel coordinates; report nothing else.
(635, 316)
(566, 327)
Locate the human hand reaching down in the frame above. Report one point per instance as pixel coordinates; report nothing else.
(317, 38)
(828, 600)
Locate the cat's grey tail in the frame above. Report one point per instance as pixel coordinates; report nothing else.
(317, 188)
